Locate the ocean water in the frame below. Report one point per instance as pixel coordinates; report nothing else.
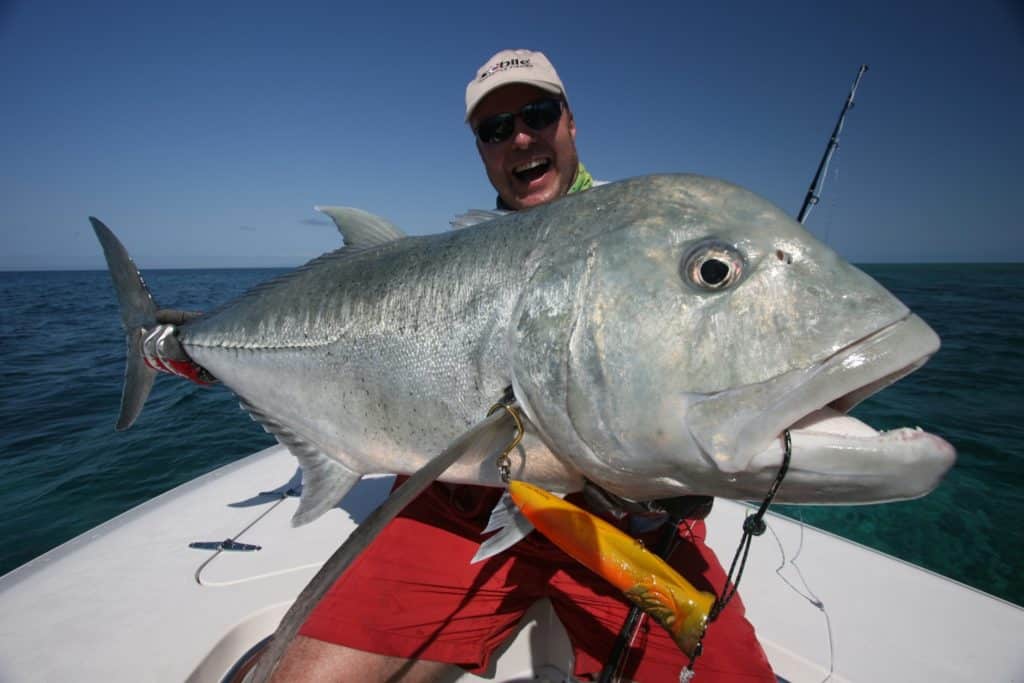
(66, 470)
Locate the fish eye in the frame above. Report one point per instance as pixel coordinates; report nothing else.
(712, 266)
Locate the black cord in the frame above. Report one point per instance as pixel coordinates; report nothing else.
(753, 525)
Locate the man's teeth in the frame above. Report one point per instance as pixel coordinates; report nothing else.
(530, 164)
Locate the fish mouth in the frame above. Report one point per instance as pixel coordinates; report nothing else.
(835, 457)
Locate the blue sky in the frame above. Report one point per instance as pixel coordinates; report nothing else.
(204, 133)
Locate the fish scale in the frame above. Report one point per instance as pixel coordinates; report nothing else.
(630, 368)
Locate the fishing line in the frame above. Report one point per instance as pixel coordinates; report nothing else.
(833, 207)
(753, 525)
(257, 577)
(810, 596)
(233, 539)
(814, 191)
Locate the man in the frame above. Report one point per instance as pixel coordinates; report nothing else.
(412, 605)
(525, 132)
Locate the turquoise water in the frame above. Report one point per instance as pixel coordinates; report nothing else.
(972, 394)
(66, 470)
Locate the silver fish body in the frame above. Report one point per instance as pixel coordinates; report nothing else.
(379, 357)
(660, 333)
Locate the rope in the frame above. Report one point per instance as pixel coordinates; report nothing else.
(753, 525)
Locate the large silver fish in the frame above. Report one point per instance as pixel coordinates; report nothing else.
(659, 334)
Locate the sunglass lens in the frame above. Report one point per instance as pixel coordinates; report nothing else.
(496, 128)
(542, 114)
(536, 115)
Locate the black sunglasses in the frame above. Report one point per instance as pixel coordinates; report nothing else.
(536, 115)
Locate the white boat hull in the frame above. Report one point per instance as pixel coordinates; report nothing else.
(131, 601)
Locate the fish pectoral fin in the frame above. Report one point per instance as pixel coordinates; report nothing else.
(325, 481)
(512, 526)
(360, 228)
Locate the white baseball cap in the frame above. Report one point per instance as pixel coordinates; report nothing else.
(512, 66)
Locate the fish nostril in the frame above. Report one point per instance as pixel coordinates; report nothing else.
(783, 256)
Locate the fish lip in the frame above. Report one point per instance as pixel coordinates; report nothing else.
(845, 403)
(851, 469)
(734, 425)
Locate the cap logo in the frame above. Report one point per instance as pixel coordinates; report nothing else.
(505, 65)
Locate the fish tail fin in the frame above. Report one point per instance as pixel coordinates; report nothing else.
(138, 311)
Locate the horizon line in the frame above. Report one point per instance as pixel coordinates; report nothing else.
(293, 267)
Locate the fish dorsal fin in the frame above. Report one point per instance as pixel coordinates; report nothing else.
(474, 217)
(325, 481)
(360, 228)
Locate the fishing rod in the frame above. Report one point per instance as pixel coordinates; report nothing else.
(814, 191)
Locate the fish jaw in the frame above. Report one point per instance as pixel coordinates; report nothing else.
(733, 426)
(836, 458)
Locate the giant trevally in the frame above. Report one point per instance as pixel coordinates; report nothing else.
(659, 334)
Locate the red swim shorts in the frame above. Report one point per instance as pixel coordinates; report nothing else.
(413, 594)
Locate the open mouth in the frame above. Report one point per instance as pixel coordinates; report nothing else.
(832, 418)
(835, 458)
(531, 170)
(735, 425)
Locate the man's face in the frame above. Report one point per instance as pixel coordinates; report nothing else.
(533, 166)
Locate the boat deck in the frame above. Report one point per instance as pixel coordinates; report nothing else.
(130, 600)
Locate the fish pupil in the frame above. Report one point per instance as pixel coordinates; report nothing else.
(713, 271)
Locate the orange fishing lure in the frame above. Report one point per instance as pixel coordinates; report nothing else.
(646, 580)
